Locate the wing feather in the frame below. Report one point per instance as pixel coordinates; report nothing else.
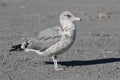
(45, 39)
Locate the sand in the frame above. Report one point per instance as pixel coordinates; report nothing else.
(95, 54)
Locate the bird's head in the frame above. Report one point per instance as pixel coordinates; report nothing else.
(67, 16)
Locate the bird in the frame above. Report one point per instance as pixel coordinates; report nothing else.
(52, 41)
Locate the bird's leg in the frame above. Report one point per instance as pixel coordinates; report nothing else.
(36, 51)
(54, 57)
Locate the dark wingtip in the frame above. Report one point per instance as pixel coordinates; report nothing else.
(16, 48)
(11, 50)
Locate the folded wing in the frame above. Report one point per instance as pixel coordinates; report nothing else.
(44, 40)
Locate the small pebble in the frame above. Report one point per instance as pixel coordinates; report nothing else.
(22, 6)
(103, 15)
(109, 52)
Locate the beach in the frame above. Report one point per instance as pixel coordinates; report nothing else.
(95, 55)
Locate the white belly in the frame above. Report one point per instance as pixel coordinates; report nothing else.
(67, 39)
(61, 46)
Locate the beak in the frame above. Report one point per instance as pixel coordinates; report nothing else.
(78, 19)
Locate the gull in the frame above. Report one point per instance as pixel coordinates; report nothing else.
(52, 41)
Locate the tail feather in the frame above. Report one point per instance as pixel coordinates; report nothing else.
(16, 48)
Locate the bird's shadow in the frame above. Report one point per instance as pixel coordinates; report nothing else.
(86, 62)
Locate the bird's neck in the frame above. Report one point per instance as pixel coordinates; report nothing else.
(68, 30)
(66, 26)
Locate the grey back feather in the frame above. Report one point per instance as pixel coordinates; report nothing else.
(45, 39)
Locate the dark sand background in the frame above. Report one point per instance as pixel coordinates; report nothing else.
(95, 54)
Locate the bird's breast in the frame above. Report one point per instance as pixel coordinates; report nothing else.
(68, 33)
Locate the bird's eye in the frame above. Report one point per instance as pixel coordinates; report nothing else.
(69, 16)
